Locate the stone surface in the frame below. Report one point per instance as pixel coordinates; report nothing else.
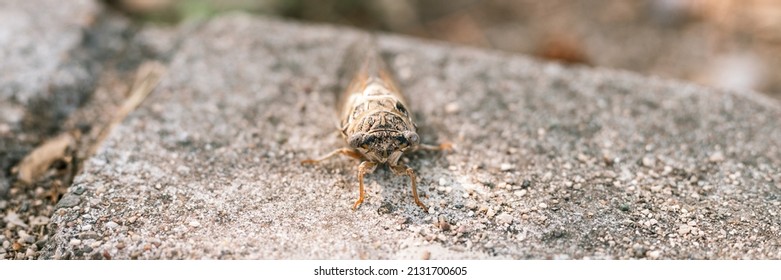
(35, 43)
(52, 56)
(49, 66)
(569, 162)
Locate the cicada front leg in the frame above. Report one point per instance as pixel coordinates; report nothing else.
(403, 169)
(444, 146)
(343, 151)
(366, 167)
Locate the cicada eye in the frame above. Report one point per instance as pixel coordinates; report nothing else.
(356, 140)
(400, 107)
(412, 137)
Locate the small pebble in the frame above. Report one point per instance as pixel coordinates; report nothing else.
(195, 224)
(39, 220)
(25, 238)
(385, 208)
(30, 253)
(100, 189)
(683, 229)
(68, 201)
(79, 190)
(547, 176)
(716, 157)
(426, 255)
(88, 235)
(654, 254)
(75, 242)
(490, 212)
(649, 161)
(181, 169)
(506, 167)
(452, 108)
(28, 239)
(504, 218)
(443, 224)
(111, 225)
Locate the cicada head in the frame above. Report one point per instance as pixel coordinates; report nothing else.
(384, 146)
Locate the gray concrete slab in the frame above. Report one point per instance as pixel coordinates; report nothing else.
(38, 68)
(35, 43)
(53, 53)
(551, 162)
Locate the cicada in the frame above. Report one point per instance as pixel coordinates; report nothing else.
(374, 118)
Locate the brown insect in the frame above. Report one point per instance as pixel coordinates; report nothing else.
(374, 119)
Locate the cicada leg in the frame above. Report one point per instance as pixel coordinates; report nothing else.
(366, 167)
(343, 151)
(444, 146)
(403, 169)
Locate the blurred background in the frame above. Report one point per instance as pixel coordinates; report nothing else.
(732, 44)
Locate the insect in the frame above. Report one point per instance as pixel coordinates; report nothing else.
(373, 118)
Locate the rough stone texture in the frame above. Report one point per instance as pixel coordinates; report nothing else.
(53, 55)
(551, 162)
(35, 44)
(51, 60)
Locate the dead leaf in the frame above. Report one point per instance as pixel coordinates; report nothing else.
(35, 164)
